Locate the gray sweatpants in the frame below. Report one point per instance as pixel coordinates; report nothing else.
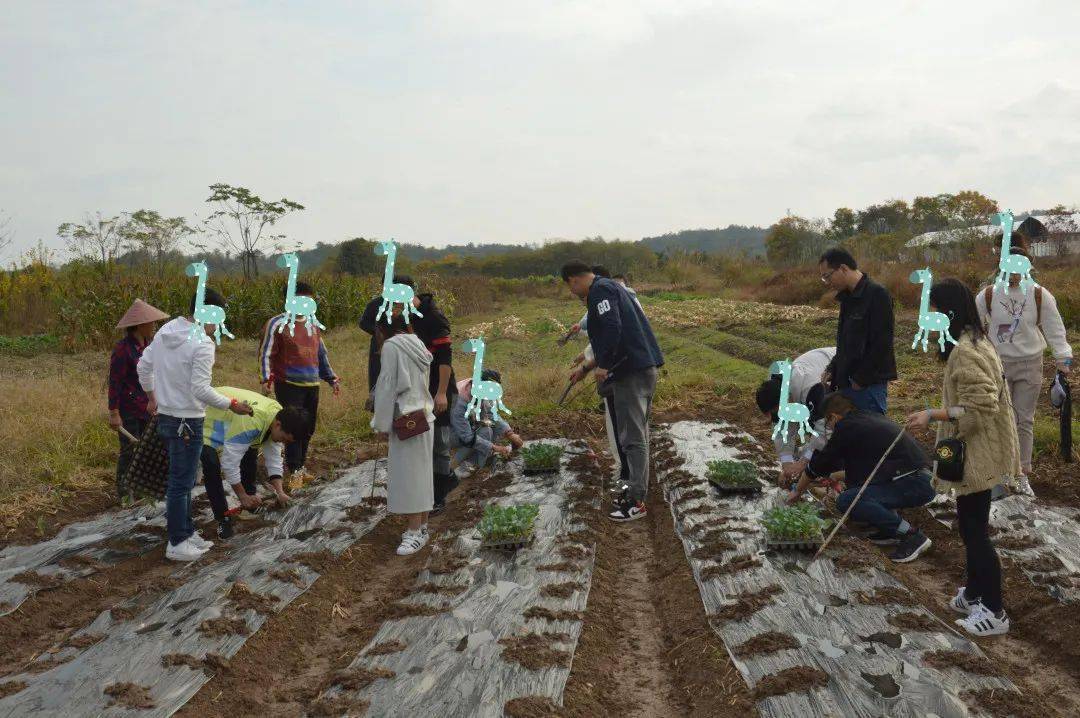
(633, 394)
(1024, 377)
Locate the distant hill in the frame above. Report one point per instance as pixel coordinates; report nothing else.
(734, 239)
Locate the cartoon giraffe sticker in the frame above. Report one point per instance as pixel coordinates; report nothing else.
(482, 390)
(205, 313)
(391, 292)
(929, 321)
(789, 413)
(297, 306)
(1011, 263)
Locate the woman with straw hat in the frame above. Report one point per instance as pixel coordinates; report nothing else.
(127, 400)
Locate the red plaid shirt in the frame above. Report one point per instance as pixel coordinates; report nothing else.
(125, 392)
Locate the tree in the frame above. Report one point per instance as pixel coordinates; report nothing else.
(156, 236)
(98, 240)
(891, 216)
(842, 225)
(241, 220)
(930, 214)
(357, 256)
(793, 240)
(970, 208)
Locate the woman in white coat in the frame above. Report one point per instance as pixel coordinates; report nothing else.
(403, 388)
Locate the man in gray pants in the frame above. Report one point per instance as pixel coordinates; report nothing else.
(626, 358)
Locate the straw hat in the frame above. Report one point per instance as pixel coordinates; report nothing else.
(140, 313)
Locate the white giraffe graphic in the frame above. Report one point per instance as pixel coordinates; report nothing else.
(205, 313)
(297, 306)
(482, 390)
(789, 413)
(391, 292)
(1011, 263)
(929, 321)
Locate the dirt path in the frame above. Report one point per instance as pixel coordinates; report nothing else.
(646, 648)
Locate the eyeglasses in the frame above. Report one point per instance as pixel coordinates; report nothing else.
(825, 277)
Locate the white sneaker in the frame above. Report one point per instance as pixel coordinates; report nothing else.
(200, 543)
(982, 622)
(411, 542)
(183, 551)
(960, 604)
(1023, 486)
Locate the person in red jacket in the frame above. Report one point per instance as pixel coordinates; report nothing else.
(292, 365)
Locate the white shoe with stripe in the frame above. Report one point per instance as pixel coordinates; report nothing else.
(983, 622)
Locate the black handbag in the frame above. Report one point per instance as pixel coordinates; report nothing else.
(949, 456)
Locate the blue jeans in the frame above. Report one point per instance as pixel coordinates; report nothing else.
(869, 398)
(476, 455)
(183, 439)
(879, 502)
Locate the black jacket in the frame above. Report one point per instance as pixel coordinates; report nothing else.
(620, 335)
(864, 337)
(434, 330)
(856, 445)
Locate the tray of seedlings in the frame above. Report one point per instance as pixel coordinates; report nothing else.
(541, 458)
(733, 477)
(507, 528)
(794, 528)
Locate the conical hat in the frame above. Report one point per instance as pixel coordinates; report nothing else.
(140, 313)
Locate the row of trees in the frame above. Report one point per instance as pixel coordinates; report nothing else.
(240, 223)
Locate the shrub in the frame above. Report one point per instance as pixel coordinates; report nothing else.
(541, 456)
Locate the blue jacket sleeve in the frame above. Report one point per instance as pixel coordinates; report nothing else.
(326, 373)
(605, 326)
(459, 423)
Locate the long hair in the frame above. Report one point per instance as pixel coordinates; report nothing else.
(384, 331)
(952, 298)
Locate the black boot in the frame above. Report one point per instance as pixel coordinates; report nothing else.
(225, 528)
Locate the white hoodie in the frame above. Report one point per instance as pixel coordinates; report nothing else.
(1013, 324)
(178, 370)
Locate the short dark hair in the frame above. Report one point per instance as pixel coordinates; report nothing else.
(491, 375)
(575, 268)
(601, 271)
(1019, 245)
(952, 297)
(303, 289)
(210, 297)
(617, 277)
(295, 421)
(836, 403)
(404, 279)
(836, 256)
(395, 326)
(768, 394)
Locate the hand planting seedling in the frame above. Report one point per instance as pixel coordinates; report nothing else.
(508, 523)
(541, 457)
(733, 473)
(794, 523)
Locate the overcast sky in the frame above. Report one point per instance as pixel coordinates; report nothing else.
(499, 121)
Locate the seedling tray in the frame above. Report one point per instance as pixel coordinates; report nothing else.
(512, 544)
(737, 488)
(530, 470)
(781, 544)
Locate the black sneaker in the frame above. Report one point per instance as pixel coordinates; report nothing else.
(883, 538)
(438, 508)
(629, 511)
(225, 528)
(620, 495)
(911, 546)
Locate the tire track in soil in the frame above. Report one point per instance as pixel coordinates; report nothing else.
(1042, 631)
(646, 648)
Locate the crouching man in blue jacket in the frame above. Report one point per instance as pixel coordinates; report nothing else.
(627, 358)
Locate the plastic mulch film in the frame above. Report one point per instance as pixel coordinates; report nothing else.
(873, 667)
(1043, 540)
(132, 650)
(452, 662)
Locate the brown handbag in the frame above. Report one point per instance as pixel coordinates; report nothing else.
(409, 425)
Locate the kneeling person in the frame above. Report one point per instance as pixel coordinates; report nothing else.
(238, 438)
(858, 441)
(474, 439)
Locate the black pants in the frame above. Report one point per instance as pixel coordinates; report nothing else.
(624, 466)
(215, 485)
(983, 567)
(305, 397)
(134, 426)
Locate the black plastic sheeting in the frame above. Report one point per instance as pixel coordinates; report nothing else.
(1043, 540)
(866, 658)
(132, 650)
(451, 665)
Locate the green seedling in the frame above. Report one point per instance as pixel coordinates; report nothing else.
(541, 456)
(732, 473)
(794, 523)
(504, 523)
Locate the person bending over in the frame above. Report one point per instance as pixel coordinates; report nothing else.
(858, 441)
(474, 439)
(806, 388)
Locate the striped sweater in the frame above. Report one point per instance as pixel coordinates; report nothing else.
(299, 358)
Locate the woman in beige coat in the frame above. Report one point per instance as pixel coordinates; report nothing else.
(978, 410)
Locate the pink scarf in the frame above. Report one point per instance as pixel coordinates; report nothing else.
(464, 389)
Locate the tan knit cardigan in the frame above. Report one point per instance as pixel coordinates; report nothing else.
(975, 381)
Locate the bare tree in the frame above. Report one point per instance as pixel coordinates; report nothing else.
(241, 220)
(156, 236)
(99, 239)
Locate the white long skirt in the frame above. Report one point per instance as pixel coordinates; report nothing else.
(409, 486)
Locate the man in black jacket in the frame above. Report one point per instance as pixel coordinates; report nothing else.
(627, 358)
(857, 442)
(433, 328)
(864, 363)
